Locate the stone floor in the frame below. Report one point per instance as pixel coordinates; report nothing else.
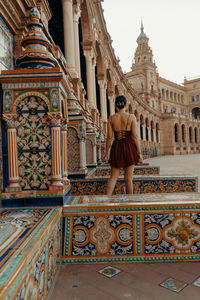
(178, 165)
(136, 281)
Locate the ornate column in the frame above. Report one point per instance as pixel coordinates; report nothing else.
(94, 82)
(180, 138)
(68, 33)
(56, 176)
(111, 98)
(13, 169)
(143, 132)
(82, 144)
(76, 16)
(154, 135)
(64, 151)
(187, 142)
(89, 74)
(102, 86)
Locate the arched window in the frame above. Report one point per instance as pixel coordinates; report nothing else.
(190, 134)
(141, 129)
(152, 137)
(157, 137)
(176, 133)
(146, 130)
(183, 133)
(195, 135)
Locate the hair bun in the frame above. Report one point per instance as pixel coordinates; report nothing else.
(120, 102)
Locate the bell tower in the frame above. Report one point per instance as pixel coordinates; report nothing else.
(143, 53)
(144, 76)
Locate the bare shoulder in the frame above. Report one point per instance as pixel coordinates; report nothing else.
(132, 117)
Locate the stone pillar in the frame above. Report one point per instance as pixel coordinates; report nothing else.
(102, 86)
(13, 169)
(144, 132)
(82, 154)
(56, 177)
(94, 82)
(64, 151)
(154, 135)
(158, 135)
(76, 16)
(112, 104)
(68, 33)
(89, 73)
(187, 141)
(82, 145)
(180, 138)
(94, 152)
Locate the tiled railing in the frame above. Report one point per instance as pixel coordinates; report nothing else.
(141, 184)
(159, 227)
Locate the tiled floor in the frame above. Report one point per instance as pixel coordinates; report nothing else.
(136, 281)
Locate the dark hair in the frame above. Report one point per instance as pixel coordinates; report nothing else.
(120, 102)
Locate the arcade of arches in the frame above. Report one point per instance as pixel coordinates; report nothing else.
(168, 114)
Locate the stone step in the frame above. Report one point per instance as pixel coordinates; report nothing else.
(141, 184)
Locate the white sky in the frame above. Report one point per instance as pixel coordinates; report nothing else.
(173, 28)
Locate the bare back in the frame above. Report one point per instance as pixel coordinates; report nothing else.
(121, 122)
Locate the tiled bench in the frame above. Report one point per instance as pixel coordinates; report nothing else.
(141, 184)
(30, 247)
(131, 228)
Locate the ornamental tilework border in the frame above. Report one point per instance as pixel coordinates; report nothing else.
(154, 234)
(105, 171)
(97, 186)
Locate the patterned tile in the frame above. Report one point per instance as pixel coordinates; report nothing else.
(109, 271)
(196, 282)
(173, 285)
(141, 185)
(33, 142)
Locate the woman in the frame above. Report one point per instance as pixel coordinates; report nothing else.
(125, 151)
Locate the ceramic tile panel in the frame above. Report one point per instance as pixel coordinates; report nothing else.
(138, 170)
(144, 227)
(141, 184)
(30, 245)
(34, 143)
(73, 150)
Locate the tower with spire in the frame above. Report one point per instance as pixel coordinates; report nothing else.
(143, 53)
(144, 76)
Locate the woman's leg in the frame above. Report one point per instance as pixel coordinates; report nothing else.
(128, 178)
(112, 181)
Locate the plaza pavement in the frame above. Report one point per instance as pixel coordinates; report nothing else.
(136, 281)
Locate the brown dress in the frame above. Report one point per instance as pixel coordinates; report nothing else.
(123, 151)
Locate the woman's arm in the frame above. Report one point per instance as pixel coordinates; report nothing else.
(109, 138)
(135, 137)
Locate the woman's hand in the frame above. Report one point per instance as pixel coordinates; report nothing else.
(140, 161)
(104, 156)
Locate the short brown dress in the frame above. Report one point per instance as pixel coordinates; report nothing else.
(123, 150)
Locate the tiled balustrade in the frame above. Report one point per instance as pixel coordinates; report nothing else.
(141, 184)
(159, 227)
(138, 170)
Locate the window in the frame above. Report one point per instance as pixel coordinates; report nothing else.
(6, 47)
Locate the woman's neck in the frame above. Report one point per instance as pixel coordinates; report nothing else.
(123, 110)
